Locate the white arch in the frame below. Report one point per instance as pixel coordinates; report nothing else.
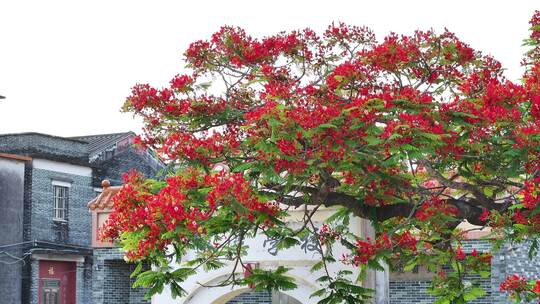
(221, 295)
(298, 260)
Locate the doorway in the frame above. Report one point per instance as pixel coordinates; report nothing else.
(50, 292)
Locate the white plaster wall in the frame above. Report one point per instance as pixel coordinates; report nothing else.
(295, 258)
(50, 165)
(14, 165)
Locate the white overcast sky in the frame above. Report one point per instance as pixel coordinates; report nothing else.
(67, 66)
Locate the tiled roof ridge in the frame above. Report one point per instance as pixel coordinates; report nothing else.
(98, 142)
(75, 139)
(82, 137)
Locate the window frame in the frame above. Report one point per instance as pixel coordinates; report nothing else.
(60, 193)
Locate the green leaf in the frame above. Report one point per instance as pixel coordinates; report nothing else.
(340, 215)
(270, 279)
(394, 136)
(243, 167)
(146, 278)
(318, 293)
(375, 265)
(410, 266)
(317, 266)
(327, 126)
(533, 249)
(183, 273)
(137, 270)
(372, 141)
(177, 290)
(441, 301)
(484, 274)
(287, 242)
(473, 293)
(431, 136)
(362, 274)
(324, 279)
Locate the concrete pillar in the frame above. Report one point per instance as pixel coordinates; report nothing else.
(382, 285)
(378, 280)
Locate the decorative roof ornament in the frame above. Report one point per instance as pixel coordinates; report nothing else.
(104, 199)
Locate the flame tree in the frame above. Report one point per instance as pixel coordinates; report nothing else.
(415, 133)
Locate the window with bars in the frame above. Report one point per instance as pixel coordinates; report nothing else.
(61, 197)
(50, 291)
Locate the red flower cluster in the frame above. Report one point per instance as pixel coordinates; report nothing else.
(200, 147)
(327, 234)
(484, 217)
(460, 255)
(534, 54)
(178, 206)
(535, 25)
(536, 287)
(435, 207)
(514, 284)
(531, 193)
(517, 285)
(240, 48)
(181, 82)
(395, 52)
(365, 250)
(405, 240)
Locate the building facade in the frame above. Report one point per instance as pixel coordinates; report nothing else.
(49, 253)
(391, 287)
(46, 183)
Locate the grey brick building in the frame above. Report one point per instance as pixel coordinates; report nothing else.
(48, 250)
(45, 244)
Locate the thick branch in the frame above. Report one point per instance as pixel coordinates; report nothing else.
(468, 208)
(481, 198)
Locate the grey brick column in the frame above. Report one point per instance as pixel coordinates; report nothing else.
(498, 273)
(34, 281)
(79, 281)
(98, 277)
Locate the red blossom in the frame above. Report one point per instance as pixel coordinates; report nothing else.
(406, 240)
(514, 284)
(180, 82)
(435, 207)
(485, 215)
(460, 255)
(531, 193)
(536, 287)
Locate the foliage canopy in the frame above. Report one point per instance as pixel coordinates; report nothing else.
(416, 133)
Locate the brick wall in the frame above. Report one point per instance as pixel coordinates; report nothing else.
(111, 282)
(112, 169)
(411, 290)
(252, 297)
(78, 226)
(116, 282)
(509, 260)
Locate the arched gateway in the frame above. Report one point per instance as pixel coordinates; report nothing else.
(263, 297)
(263, 254)
(241, 294)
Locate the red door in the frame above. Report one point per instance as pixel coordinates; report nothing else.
(57, 282)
